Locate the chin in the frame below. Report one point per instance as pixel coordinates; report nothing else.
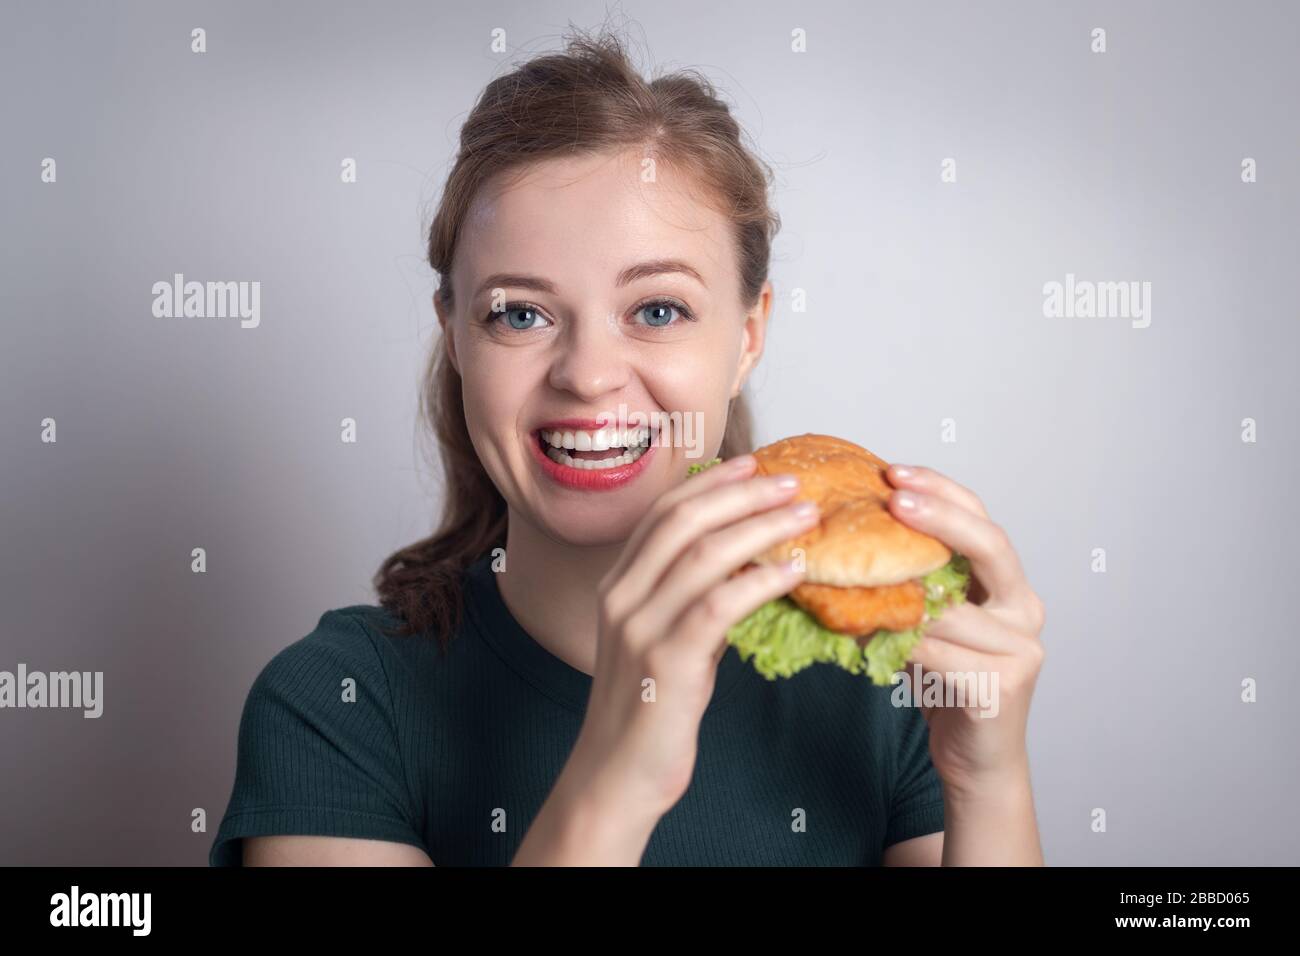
(588, 521)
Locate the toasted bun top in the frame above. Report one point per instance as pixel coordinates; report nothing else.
(857, 543)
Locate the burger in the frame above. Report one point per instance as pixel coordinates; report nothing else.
(871, 583)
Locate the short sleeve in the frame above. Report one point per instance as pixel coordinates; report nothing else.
(318, 751)
(916, 807)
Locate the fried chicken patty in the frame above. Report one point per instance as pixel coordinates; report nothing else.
(861, 611)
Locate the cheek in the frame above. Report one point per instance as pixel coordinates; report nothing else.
(689, 383)
(498, 385)
(697, 382)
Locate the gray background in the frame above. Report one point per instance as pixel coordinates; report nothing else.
(925, 302)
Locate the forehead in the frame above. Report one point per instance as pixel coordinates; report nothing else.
(590, 216)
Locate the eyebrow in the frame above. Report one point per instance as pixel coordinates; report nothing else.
(641, 270)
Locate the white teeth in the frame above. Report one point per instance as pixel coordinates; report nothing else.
(586, 464)
(560, 444)
(601, 440)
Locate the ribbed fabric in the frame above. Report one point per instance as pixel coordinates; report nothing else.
(456, 753)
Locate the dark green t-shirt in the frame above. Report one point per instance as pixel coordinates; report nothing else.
(456, 753)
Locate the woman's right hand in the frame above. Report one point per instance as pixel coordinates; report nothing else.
(664, 611)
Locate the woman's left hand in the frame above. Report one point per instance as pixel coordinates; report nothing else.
(994, 632)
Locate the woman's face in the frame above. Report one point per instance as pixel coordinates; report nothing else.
(562, 314)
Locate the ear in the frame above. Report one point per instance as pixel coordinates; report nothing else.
(444, 320)
(754, 337)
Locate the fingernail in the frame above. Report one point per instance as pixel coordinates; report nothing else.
(741, 462)
(785, 482)
(903, 471)
(804, 510)
(906, 500)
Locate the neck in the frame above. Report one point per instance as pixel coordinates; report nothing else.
(550, 589)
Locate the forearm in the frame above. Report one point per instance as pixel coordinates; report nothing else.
(583, 824)
(992, 824)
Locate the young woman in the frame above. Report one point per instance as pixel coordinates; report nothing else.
(546, 679)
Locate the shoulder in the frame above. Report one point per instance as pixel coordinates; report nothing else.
(376, 642)
(346, 656)
(366, 636)
(320, 748)
(333, 695)
(342, 637)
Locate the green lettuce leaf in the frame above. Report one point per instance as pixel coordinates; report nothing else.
(780, 638)
(697, 468)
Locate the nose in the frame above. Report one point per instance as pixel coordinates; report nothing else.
(588, 362)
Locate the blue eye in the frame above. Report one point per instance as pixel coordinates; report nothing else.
(518, 317)
(658, 313)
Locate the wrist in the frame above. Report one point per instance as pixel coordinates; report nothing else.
(603, 824)
(989, 819)
(1007, 781)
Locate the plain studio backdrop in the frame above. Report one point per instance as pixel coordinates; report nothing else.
(923, 320)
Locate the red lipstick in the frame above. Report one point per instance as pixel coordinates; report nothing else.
(586, 479)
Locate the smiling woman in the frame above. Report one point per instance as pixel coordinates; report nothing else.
(545, 679)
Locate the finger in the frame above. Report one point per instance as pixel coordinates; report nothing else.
(973, 627)
(709, 618)
(965, 678)
(734, 469)
(947, 658)
(685, 522)
(992, 558)
(711, 559)
(932, 482)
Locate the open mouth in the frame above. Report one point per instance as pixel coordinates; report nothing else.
(594, 450)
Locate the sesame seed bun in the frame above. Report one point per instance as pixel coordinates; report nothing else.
(857, 543)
